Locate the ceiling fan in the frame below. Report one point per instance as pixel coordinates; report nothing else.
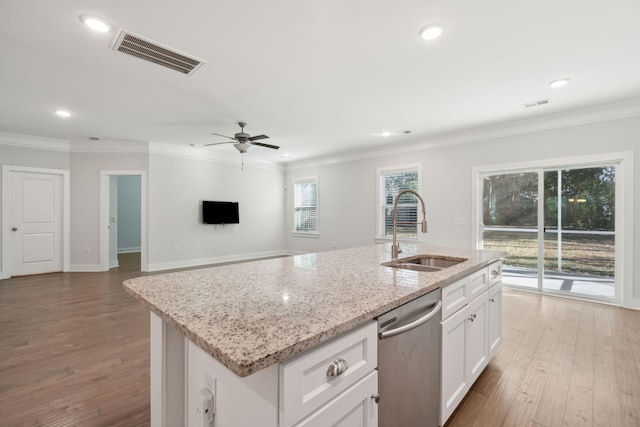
(243, 141)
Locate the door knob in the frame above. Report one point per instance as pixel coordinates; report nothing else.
(14, 229)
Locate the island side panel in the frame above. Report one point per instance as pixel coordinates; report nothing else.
(238, 401)
(167, 369)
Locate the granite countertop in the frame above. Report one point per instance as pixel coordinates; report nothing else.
(251, 315)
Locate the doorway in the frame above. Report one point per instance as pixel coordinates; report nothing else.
(35, 221)
(123, 225)
(561, 227)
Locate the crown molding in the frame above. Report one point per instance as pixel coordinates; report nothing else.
(35, 142)
(114, 146)
(194, 153)
(578, 117)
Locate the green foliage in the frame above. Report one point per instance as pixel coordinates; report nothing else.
(586, 200)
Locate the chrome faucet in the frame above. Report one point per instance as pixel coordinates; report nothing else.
(395, 247)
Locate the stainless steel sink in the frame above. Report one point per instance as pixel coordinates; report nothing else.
(428, 263)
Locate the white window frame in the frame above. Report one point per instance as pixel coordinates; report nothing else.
(385, 170)
(624, 271)
(316, 232)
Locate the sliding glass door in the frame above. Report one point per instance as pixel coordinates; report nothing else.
(557, 227)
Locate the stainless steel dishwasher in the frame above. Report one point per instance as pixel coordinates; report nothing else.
(409, 363)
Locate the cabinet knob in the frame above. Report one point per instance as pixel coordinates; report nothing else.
(472, 317)
(337, 367)
(492, 300)
(14, 228)
(376, 397)
(494, 273)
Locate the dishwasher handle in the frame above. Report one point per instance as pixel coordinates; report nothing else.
(414, 324)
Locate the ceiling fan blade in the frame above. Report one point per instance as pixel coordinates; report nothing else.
(224, 136)
(218, 143)
(257, 137)
(275, 147)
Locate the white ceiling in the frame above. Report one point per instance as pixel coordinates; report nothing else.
(317, 76)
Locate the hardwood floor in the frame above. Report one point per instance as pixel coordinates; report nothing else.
(562, 362)
(74, 352)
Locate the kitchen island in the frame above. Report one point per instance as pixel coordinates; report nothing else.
(252, 317)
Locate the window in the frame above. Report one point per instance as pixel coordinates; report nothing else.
(306, 205)
(392, 181)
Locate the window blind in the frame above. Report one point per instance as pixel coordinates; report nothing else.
(306, 206)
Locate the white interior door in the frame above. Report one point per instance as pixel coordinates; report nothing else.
(36, 223)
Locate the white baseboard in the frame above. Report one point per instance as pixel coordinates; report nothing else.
(129, 250)
(113, 264)
(635, 305)
(214, 260)
(84, 268)
(2, 276)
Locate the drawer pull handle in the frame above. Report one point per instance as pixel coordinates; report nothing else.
(376, 397)
(494, 273)
(337, 367)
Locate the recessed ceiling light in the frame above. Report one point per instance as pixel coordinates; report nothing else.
(431, 32)
(62, 113)
(286, 155)
(559, 82)
(96, 24)
(385, 133)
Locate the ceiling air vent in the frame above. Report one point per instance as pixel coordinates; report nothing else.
(152, 51)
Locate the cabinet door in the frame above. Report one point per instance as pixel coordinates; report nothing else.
(453, 385)
(353, 408)
(495, 318)
(476, 338)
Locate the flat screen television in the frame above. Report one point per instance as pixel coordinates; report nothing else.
(220, 212)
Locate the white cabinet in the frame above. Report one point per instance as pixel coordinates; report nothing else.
(298, 392)
(355, 407)
(453, 379)
(306, 386)
(495, 318)
(476, 338)
(470, 335)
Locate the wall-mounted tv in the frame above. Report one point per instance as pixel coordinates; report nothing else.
(220, 212)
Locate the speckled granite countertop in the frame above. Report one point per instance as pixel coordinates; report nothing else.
(252, 315)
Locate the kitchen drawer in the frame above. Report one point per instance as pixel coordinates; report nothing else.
(478, 283)
(495, 273)
(454, 297)
(304, 383)
(355, 407)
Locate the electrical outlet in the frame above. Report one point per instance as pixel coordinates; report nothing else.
(87, 249)
(174, 248)
(210, 386)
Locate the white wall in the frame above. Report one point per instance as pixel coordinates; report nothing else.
(347, 190)
(85, 201)
(177, 187)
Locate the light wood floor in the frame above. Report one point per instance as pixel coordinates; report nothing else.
(562, 362)
(74, 352)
